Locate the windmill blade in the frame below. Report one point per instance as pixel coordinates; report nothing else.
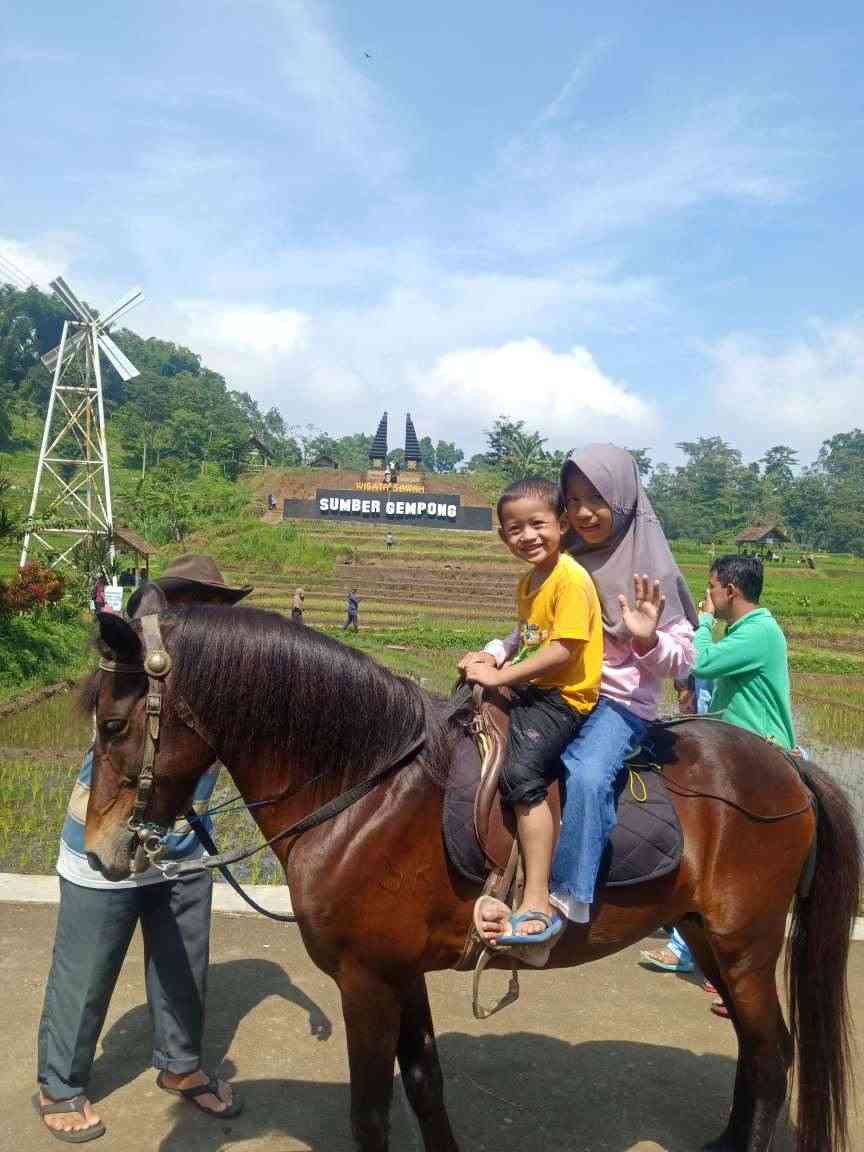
(72, 345)
(79, 310)
(123, 366)
(124, 304)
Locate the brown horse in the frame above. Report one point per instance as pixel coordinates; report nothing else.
(377, 902)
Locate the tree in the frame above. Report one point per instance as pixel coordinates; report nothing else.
(643, 460)
(447, 456)
(843, 455)
(8, 527)
(353, 451)
(777, 465)
(499, 438)
(427, 455)
(807, 509)
(524, 454)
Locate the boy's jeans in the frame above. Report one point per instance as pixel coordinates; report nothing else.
(591, 763)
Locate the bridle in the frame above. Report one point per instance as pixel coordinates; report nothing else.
(150, 837)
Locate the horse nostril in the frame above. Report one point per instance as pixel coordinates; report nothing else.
(94, 861)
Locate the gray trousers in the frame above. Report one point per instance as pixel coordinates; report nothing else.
(94, 929)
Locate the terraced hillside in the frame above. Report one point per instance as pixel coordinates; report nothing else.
(431, 574)
(437, 575)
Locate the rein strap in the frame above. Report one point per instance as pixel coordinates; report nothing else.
(175, 868)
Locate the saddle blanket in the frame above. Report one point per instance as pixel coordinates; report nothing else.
(645, 845)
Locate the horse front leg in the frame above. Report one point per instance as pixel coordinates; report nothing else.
(373, 1011)
(421, 1071)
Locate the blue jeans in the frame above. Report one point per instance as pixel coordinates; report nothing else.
(592, 761)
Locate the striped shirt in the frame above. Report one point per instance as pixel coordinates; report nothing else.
(72, 863)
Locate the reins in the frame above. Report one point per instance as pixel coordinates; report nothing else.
(151, 837)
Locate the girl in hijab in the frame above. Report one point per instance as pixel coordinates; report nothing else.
(648, 622)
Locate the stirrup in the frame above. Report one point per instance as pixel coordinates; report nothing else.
(509, 997)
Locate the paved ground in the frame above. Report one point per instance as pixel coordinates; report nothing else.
(606, 1058)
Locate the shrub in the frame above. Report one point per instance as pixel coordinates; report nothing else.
(31, 589)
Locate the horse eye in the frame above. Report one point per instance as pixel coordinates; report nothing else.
(114, 727)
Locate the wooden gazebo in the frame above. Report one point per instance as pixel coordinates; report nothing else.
(256, 455)
(126, 541)
(762, 538)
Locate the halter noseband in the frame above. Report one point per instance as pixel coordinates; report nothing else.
(150, 836)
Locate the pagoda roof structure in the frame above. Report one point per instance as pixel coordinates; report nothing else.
(412, 444)
(378, 451)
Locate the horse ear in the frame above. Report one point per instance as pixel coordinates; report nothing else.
(119, 637)
(147, 601)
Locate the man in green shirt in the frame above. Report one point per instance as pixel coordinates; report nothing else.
(749, 665)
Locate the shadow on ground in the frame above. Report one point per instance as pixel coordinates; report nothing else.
(234, 989)
(516, 1091)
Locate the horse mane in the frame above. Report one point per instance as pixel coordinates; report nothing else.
(254, 679)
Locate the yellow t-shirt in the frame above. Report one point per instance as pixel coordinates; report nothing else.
(564, 607)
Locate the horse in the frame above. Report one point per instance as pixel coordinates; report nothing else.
(301, 718)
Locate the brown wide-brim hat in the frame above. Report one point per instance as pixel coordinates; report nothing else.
(188, 573)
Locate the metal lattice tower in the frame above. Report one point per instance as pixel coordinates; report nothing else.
(71, 499)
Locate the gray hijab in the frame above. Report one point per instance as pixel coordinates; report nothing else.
(637, 544)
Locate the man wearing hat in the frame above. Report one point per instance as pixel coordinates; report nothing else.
(95, 923)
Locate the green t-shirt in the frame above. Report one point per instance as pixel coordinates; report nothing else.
(750, 668)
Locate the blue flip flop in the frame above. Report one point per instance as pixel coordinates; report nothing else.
(554, 927)
(681, 966)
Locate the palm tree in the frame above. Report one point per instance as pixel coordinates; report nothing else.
(524, 455)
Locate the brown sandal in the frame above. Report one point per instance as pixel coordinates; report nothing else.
(72, 1104)
(210, 1088)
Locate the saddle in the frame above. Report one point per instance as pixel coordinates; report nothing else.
(480, 832)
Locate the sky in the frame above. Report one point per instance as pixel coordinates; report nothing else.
(620, 221)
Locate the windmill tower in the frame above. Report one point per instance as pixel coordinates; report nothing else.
(71, 499)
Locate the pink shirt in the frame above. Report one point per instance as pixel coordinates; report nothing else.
(634, 681)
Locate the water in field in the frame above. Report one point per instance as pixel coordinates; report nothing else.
(41, 749)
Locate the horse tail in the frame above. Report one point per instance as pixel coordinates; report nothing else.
(816, 960)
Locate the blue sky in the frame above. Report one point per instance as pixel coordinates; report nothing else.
(629, 221)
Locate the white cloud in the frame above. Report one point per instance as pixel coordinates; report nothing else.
(260, 332)
(565, 395)
(804, 393)
(340, 366)
(42, 259)
(582, 72)
(567, 182)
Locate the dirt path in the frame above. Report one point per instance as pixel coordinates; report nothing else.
(608, 1058)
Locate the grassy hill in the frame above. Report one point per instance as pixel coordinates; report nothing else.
(441, 590)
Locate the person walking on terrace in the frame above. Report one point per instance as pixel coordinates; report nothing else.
(297, 605)
(95, 924)
(352, 604)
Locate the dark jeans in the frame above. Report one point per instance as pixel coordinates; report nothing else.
(542, 724)
(351, 622)
(94, 928)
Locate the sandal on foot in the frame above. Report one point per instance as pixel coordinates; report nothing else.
(73, 1104)
(720, 1009)
(650, 960)
(554, 927)
(210, 1088)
